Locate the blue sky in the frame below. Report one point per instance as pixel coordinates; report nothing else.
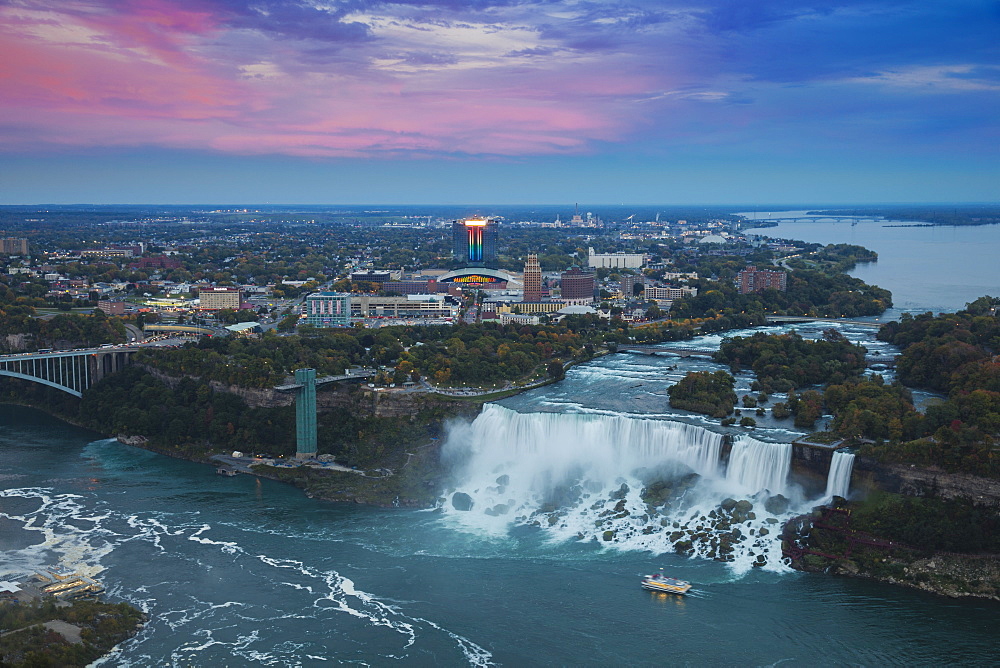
(347, 101)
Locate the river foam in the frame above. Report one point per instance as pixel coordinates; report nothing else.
(624, 482)
(67, 530)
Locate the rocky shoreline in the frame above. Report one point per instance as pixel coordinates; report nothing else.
(823, 542)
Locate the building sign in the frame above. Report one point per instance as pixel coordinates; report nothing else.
(476, 278)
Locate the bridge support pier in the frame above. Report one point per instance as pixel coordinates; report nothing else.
(305, 414)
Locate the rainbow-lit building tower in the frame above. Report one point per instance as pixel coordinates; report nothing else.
(475, 242)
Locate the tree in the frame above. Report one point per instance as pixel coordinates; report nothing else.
(288, 323)
(704, 392)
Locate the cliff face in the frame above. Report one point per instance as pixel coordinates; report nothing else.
(17, 342)
(911, 480)
(351, 395)
(811, 465)
(405, 404)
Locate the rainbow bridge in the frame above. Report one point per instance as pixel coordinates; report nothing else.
(72, 371)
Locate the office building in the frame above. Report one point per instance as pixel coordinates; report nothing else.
(112, 307)
(532, 279)
(414, 287)
(664, 296)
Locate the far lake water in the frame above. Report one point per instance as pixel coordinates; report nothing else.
(940, 268)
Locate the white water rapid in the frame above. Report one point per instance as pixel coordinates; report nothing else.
(625, 482)
(838, 480)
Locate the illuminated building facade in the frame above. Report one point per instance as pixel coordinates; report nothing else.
(475, 242)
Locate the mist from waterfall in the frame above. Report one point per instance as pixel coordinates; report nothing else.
(625, 482)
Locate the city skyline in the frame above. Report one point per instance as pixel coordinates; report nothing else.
(714, 102)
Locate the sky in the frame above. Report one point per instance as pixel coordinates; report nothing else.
(499, 101)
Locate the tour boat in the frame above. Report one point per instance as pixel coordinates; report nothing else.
(659, 582)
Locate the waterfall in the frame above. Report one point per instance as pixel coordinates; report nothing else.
(555, 445)
(755, 465)
(838, 481)
(620, 481)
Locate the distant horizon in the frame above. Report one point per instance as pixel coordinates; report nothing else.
(767, 206)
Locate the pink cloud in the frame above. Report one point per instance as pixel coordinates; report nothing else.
(162, 73)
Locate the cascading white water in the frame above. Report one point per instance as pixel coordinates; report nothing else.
(625, 482)
(755, 465)
(551, 445)
(838, 480)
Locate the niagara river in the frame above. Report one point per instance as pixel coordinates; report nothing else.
(533, 556)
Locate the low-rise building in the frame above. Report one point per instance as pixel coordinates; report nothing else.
(250, 330)
(680, 276)
(530, 307)
(518, 319)
(665, 296)
(614, 260)
(374, 275)
(408, 306)
(112, 307)
(218, 298)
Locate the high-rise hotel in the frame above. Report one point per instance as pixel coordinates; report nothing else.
(475, 242)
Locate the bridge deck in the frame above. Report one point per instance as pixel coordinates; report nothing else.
(327, 379)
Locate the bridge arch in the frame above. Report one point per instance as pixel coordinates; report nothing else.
(43, 381)
(70, 371)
